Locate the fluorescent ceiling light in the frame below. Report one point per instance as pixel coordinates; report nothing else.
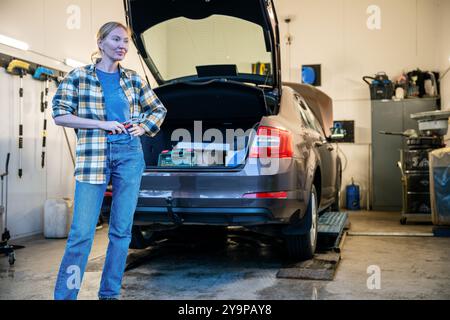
(74, 63)
(13, 43)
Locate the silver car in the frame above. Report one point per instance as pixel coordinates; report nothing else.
(238, 147)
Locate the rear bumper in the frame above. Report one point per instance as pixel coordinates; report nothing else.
(224, 212)
(285, 217)
(204, 216)
(218, 198)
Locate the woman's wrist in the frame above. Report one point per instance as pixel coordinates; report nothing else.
(99, 124)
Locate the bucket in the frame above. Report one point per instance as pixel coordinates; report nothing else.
(352, 197)
(57, 218)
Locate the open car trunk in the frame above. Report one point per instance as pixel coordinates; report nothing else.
(170, 150)
(208, 126)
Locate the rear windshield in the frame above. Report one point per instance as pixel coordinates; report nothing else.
(178, 46)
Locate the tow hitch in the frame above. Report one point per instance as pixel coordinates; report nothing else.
(172, 215)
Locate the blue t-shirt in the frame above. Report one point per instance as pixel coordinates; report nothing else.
(116, 102)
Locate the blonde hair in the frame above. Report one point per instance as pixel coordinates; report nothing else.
(102, 33)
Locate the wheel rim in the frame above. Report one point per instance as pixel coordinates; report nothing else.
(313, 231)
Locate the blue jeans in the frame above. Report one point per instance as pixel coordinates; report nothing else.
(125, 165)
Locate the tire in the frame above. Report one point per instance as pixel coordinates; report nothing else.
(141, 238)
(302, 247)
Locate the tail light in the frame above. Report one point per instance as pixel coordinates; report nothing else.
(272, 143)
(266, 195)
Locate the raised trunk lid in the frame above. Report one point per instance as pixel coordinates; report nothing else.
(214, 39)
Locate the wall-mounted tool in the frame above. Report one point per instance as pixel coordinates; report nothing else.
(44, 74)
(20, 68)
(5, 247)
(261, 68)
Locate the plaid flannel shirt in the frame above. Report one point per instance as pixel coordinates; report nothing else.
(80, 94)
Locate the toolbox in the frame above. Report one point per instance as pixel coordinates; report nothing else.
(381, 88)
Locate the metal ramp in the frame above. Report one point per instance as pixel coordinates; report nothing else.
(331, 231)
(330, 239)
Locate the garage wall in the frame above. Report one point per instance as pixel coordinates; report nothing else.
(335, 34)
(60, 29)
(51, 30)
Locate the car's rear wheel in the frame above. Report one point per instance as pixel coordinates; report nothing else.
(142, 237)
(302, 247)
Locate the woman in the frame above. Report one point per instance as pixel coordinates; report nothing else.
(97, 99)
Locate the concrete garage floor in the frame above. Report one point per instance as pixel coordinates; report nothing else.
(411, 268)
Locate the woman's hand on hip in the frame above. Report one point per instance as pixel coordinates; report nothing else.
(136, 131)
(112, 126)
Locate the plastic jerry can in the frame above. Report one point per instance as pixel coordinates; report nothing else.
(352, 197)
(57, 218)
